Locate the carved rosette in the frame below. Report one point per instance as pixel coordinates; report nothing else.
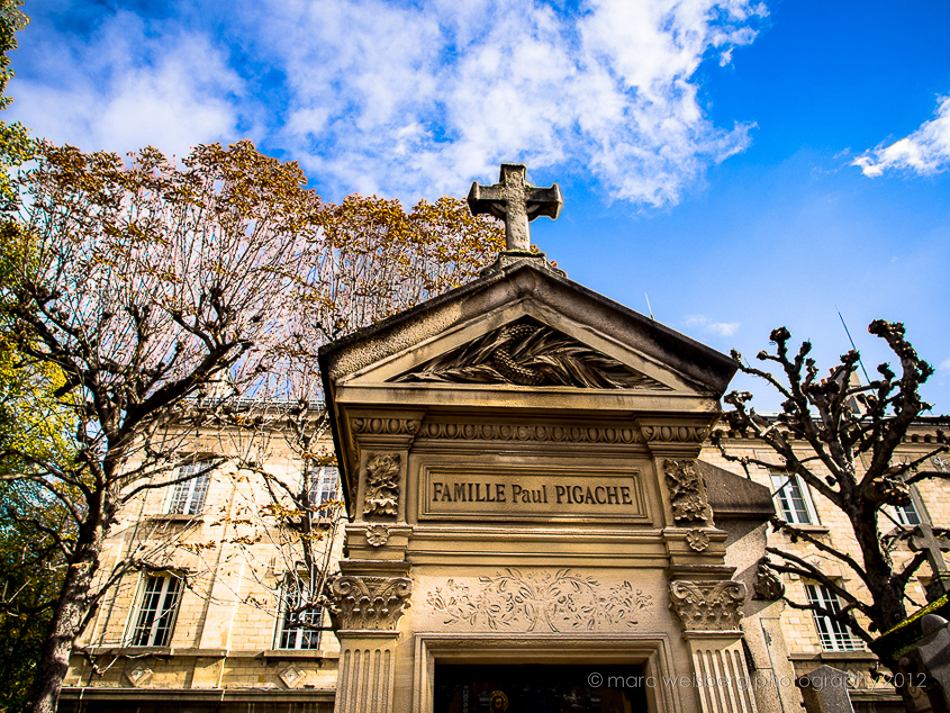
(674, 434)
(368, 603)
(687, 494)
(382, 485)
(548, 434)
(377, 535)
(384, 426)
(707, 606)
(697, 539)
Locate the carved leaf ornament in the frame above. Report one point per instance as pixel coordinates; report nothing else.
(707, 606)
(551, 601)
(686, 495)
(531, 355)
(382, 485)
(374, 603)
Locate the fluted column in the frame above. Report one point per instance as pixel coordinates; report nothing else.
(366, 608)
(709, 612)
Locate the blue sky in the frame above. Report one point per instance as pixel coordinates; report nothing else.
(747, 164)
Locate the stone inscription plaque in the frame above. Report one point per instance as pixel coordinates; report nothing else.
(530, 493)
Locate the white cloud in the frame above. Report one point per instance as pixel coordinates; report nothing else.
(417, 99)
(926, 151)
(944, 365)
(719, 329)
(128, 85)
(409, 99)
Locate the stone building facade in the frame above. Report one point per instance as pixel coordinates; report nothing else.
(227, 651)
(215, 616)
(535, 520)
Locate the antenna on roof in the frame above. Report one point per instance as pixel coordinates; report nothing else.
(649, 308)
(846, 331)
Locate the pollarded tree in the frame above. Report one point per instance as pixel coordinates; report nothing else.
(840, 437)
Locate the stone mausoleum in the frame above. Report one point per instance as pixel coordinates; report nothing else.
(535, 522)
(531, 529)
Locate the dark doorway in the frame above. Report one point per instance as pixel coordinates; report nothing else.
(537, 688)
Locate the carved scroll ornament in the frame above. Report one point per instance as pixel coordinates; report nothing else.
(707, 606)
(532, 355)
(686, 492)
(369, 603)
(382, 485)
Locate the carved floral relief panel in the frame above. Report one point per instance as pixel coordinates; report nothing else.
(543, 602)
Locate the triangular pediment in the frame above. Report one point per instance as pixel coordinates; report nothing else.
(529, 353)
(524, 329)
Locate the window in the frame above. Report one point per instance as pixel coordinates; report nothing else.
(793, 499)
(907, 514)
(298, 616)
(188, 497)
(833, 635)
(156, 615)
(325, 487)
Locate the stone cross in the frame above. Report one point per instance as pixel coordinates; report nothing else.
(933, 546)
(516, 202)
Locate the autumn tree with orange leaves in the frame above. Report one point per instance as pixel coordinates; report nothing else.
(160, 294)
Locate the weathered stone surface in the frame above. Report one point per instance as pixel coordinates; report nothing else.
(825, 690)
(516, 202)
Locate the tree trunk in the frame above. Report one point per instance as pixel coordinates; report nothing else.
(70, 612)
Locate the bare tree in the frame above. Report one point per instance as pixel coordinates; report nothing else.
(141, 283)
(172, 299)
(370, 260)
(840, 437)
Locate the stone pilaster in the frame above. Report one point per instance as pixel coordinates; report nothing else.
(366, 602)
(688, 530)
(383, 439)
(709, 612)
(719, 669)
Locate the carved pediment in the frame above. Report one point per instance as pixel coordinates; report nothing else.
(530, 354)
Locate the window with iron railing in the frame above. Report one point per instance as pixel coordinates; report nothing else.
(833, 635)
